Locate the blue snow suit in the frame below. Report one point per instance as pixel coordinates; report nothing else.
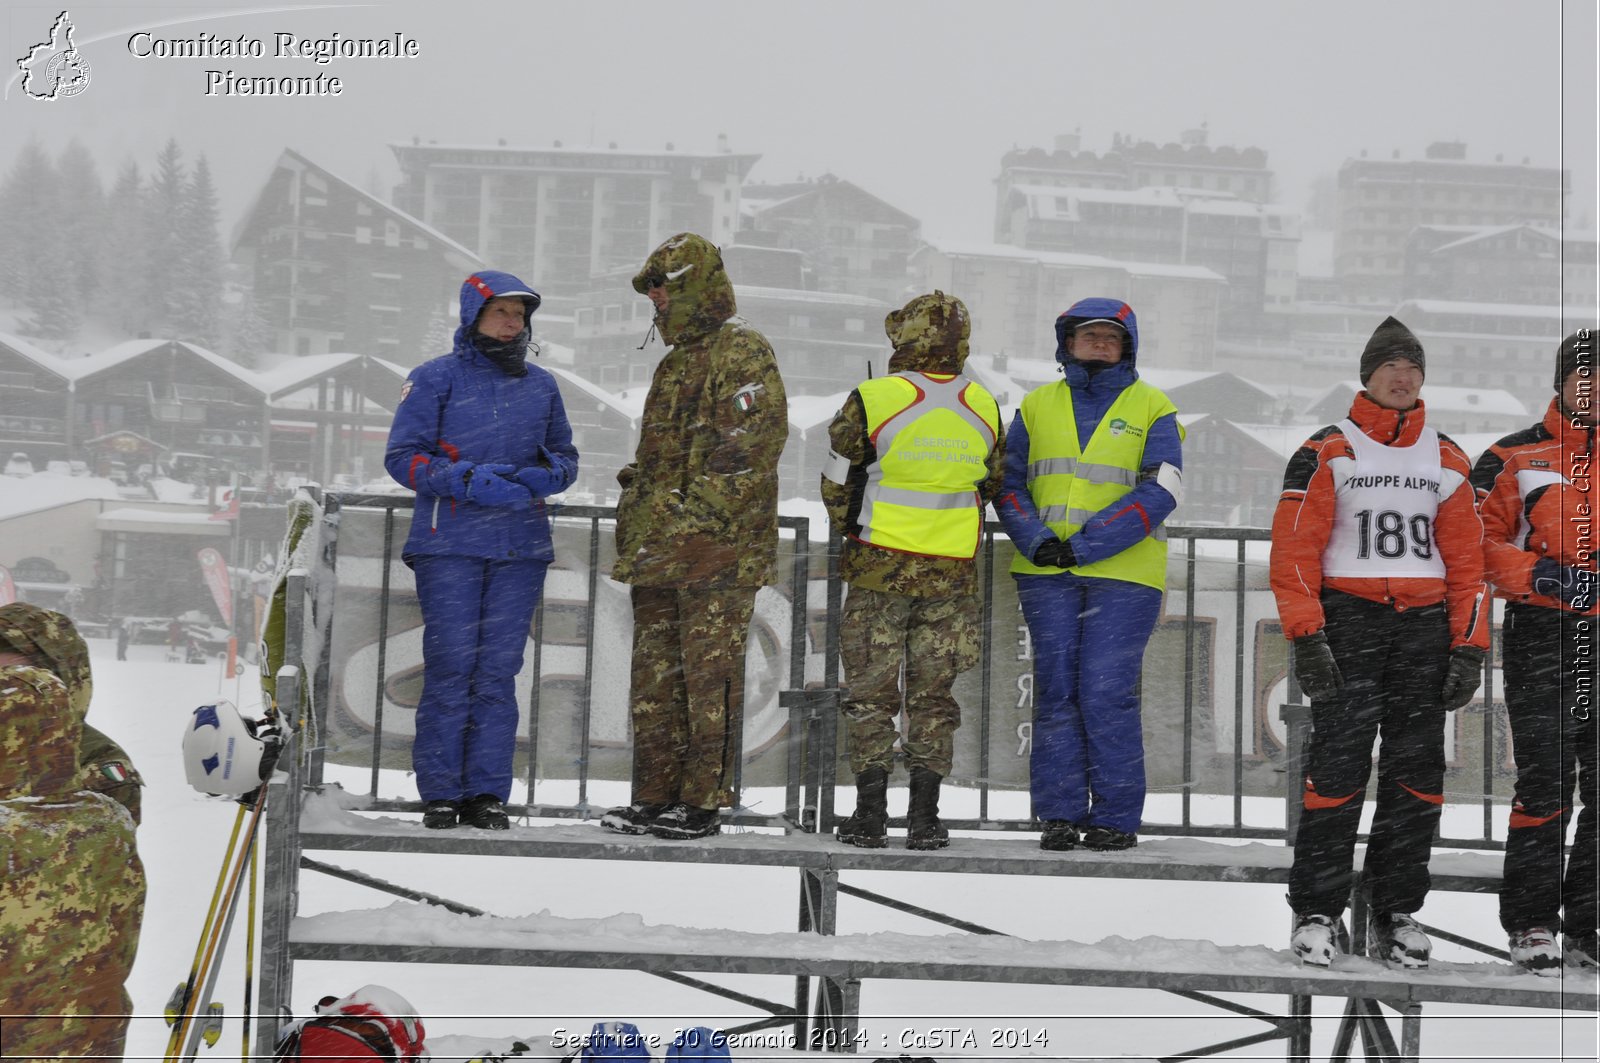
(1089, 632)
(482, 446)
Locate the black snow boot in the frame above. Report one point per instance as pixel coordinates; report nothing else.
(923, 829)
(868, 825)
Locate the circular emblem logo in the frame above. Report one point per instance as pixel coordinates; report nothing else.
(67, 74)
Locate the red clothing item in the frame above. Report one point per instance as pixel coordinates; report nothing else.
(1305, 516)
(1536, 494)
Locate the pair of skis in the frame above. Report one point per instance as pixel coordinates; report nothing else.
(190, 1012)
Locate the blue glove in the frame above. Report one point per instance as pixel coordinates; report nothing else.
(495, 470)
(1055, 553)
(461, 479)
(497, 492)
(1574, 586)
(539, 480)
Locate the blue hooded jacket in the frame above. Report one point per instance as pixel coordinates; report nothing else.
(459, 411)
(1141, 510)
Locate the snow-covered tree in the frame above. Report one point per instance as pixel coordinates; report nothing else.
(165, 238)
(27, 218)
(198, 270)
(246, 333)
(125, 255)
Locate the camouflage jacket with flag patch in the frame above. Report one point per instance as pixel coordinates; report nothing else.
(699, 504)
(71, 884)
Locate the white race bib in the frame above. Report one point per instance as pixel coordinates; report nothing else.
(1386, 501)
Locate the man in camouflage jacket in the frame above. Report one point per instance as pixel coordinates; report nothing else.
(910, 599)
(697, 537)
(71, 884)
(49, 640)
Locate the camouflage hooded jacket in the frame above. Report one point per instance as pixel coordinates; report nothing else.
(699, 505)
(52, 638)
(929, 335)
(71, 884)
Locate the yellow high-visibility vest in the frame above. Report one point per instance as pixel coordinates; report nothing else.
(1069, 486)
(932, 433)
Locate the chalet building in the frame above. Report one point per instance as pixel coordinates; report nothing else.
(335, 268)
(851, 240)
(35, 403)
(1455, 411)
(1233, 472)
(1515, 264)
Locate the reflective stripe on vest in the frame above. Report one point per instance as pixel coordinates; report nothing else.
(1070, 486)
(932, 438)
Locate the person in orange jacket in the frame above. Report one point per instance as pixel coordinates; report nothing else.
(1377, 568)
(1537, 498)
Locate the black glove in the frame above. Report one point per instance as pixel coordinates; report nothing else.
(1055, 553)
(1574, 586)
(1462, 679)
(1315, 667)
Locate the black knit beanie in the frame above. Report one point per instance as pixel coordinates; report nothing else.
(1389, 341)
(1575, 351)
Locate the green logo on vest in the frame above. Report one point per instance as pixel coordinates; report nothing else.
(1119, 426)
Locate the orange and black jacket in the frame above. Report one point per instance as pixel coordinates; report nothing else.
(1536, 495)
(1304, 519)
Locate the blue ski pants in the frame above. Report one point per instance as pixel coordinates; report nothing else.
(1089, 635)
(476, 616)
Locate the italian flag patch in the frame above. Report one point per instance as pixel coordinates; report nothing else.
(114, 771)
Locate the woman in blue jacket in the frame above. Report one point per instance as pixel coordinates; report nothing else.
(1093, 469)
(482, 437)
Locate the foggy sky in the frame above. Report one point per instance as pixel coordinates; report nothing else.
(914, 101)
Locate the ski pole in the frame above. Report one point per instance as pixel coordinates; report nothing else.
(179, 1002)
(181, 1045)
(250, 948)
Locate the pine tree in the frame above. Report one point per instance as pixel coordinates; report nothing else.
(165, 239)
(125, 255)
(198, 269)
(27, 207)
(246, 333)
(81, 219)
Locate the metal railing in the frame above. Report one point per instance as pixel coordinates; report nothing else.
(1221, 728)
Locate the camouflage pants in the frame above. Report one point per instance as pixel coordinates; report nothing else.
(937, 638)
(687, 693)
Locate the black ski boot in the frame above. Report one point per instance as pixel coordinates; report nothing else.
(923, 829)
(868, 825)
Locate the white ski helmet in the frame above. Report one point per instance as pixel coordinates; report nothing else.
(225, 754)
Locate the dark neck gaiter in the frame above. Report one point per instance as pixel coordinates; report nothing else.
(508, 355)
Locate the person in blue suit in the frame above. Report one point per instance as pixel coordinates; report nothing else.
(482, 437)
(1093, 468)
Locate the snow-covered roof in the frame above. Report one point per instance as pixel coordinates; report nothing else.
(629, 405)
(126, 351)
(1444, 397)
(188, 522)
(292, 372)
(1282, 439)
(798, 295)
(470, 257)
(973, 249)
(1448, 306)
(562, 149)
(47, 490)
(44, 359)
(1173, 379)
(809, 411)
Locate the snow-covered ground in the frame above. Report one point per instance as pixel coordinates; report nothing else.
(145, 701)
